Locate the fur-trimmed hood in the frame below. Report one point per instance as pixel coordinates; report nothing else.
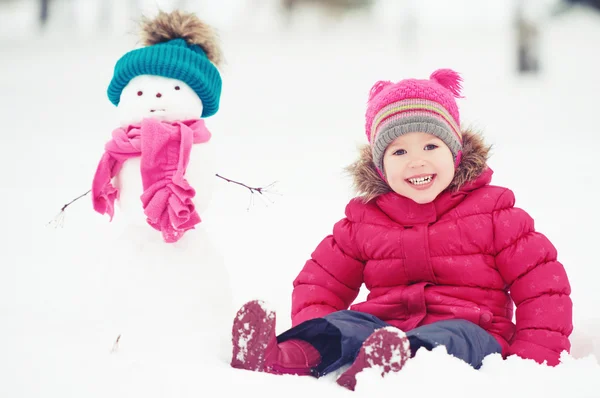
(368, 184)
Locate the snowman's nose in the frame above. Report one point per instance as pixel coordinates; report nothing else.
(158, 95)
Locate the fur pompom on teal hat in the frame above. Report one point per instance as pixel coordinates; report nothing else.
(179, 46)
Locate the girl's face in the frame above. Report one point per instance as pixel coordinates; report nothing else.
(418, 166)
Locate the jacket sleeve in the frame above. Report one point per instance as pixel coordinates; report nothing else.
(331, 279)
(538, 284)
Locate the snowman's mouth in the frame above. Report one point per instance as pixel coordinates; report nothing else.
(157, 110)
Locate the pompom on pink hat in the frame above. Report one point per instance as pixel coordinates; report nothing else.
(414, 105)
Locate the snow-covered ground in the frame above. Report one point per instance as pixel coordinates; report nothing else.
(292, 112)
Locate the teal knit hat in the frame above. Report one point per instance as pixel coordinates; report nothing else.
(171, 56)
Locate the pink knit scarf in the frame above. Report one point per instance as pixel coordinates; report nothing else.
(165, 149)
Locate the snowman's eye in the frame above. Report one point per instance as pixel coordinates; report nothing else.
(177, 87)
(140, 93)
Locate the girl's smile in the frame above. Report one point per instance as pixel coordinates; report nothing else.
(421, 181)
(418, 166)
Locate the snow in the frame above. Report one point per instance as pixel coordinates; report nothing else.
(291, 112)
(399, 352)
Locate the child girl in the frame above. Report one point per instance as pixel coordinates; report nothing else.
(443, 253)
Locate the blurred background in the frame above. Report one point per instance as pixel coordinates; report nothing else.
(296, 79)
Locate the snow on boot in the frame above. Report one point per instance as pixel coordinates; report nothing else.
(387, 348)
(255, 345)
(253, 336)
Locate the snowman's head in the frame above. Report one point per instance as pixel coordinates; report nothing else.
(158, 97)
(171, 80)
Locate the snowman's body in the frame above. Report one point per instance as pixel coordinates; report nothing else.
(200, 175)
(168, 298)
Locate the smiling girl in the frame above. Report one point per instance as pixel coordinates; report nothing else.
(445, 256)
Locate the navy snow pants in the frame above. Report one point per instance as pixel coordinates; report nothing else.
(339, 336)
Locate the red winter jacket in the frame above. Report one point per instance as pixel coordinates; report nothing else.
(470, 255)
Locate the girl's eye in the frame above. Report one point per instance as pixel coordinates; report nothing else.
(140, 93)
(400, 152)
(430, 147)
(177, 87)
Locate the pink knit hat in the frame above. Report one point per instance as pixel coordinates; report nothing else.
(413, 105)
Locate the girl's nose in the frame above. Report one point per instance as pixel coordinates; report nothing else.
(158, 95)
(416, 163)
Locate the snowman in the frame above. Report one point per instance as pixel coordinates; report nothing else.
(168, 291)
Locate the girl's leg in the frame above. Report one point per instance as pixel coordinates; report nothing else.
(337, 336)
(389, 348)
(317, 346)
(462, 339)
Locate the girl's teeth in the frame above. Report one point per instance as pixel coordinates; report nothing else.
(421, 180)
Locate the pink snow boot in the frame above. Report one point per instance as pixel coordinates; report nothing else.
(255, 344)
(387, 348)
